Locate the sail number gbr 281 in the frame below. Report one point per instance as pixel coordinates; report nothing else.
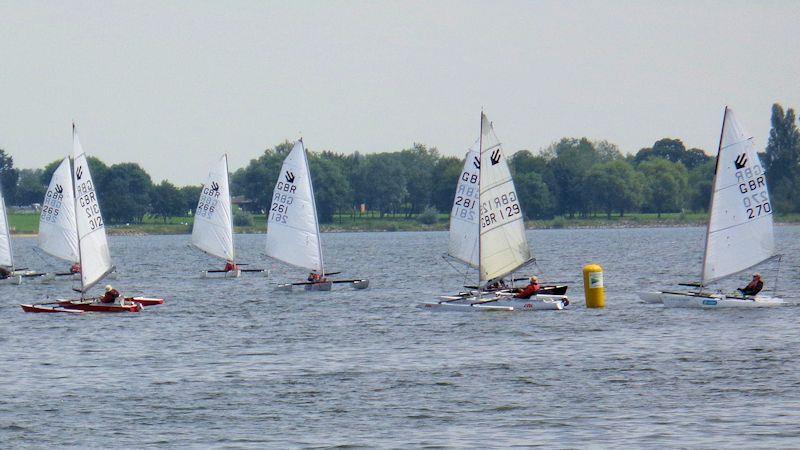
(499, 209)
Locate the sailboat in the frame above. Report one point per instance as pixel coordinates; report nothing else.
(489, 208)
(740, 229)
(212, 231)
(464, 229)
(6, 254)
(293, 228)
(91, 244)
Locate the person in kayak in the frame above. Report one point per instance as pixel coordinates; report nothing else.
(110, 296)
(754, 287)
(230, 266)
(4, 273)
(530, 290)
(75, 268)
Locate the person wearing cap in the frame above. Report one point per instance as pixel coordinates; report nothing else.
(754, 287)
(110, 296)
(530, 290)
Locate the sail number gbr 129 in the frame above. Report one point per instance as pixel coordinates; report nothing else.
(500, 209)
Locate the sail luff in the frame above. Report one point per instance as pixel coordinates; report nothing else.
(740, 229)
(58, 233)
(212, 231)
(503, 244)
(316, 216)
(713, 189)
(292, 225)
(94, 255)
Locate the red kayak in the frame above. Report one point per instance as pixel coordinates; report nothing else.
(132, 304)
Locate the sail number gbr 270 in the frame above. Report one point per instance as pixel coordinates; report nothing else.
(500, 209)
(753, 188)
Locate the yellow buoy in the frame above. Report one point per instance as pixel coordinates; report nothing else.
(593, 286)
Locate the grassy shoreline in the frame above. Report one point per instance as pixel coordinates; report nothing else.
(28, 224)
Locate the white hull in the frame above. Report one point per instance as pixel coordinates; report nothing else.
(502, 303)
(230, 274)
(326, 286)
(650, 297)
(691, 300)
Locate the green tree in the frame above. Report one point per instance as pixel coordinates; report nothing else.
(782, 160)
(167, 201)
(190, 195)
(30, 188)
(535, 197)
(701, 178)
(382, 185)
(124, 192)
(331, 188)
(615, 186)
(672, 150)
(8, 177)
(665, 185)
(418, 164)
(448, 170)
(570, 161)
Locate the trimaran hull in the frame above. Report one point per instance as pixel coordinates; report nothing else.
(498, 303)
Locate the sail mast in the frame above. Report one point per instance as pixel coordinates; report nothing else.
(314, 204)
(75, 200)
(480, 205)
(230, 207)
(711, 205)
(8, 230)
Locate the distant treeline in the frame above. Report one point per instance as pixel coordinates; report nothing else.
(574, 176)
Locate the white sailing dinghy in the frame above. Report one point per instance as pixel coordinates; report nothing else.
(740, 229)
(491, 210)
(6, 254)
(91, 243)
(293, 228)
(212, 232)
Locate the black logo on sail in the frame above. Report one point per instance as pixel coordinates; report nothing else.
(79, 172)
(477, 163)
(289, 177)
(59, 189)
(741, 161)
(495, 156)
(214, 186)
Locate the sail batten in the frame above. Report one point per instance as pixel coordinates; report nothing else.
(212, 231)
(503, 246)
(58, 233)
(740, 228)
(292, 227)
(93, 252)
(463, 236)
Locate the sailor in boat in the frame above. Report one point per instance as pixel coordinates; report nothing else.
(75, 268)
(4, 273)
(314, 277)
(110, 296)
(230, 266)
(754, 287)
(530, 290)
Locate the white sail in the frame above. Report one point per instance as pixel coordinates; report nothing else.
(6, 256)
(213, 223)
(292, 227)
(740, 226)
(92, 243)
(464, 215)
(58, 234)
(503, 246)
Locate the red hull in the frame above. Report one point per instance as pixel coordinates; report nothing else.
(100, 307)
(146, 301)
(49, 309)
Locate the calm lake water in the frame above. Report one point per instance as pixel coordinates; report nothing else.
(232, 363)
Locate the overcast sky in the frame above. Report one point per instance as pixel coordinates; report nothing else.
(172, 85)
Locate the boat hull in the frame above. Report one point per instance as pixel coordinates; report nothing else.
(49, 309)
(12, 280)
(230, 274)
(715, 301)
(93, 306)
(323, 286)
(653, 297)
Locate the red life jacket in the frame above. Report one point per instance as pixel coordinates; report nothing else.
(110, 296)
(529, 291)
(230, 266)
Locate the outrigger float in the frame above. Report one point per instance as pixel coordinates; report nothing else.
(293, 228)
(79, 237)
(487, 232)
(740, 229)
